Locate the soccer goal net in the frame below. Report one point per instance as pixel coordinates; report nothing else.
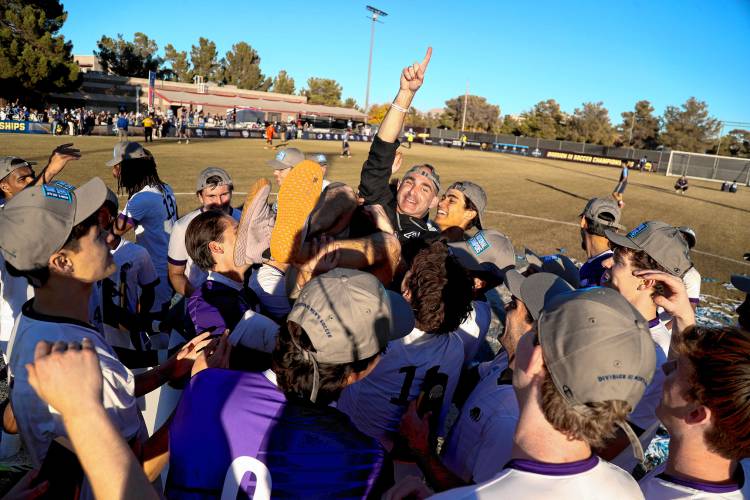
(709, 167)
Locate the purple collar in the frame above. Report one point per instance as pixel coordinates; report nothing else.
(654, 322)
(738, 481)
(548, 469)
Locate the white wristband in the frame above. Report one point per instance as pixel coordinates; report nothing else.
(399, 108)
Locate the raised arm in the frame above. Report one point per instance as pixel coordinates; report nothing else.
(412, 77)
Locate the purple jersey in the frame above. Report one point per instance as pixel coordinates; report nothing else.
(237, 431)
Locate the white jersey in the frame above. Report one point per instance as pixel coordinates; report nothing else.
(153, 213)
(479, 443)
(658, 485)
(122, 289)
(644, 414)
(661, 334)
(692, 280)
(14, 292)
(590, 479)
(269, 284)
(39, 423)
(178, 254)
(376, 403)
(473, 330)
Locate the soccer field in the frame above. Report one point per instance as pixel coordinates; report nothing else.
(535, 202)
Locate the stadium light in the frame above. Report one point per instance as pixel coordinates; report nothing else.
(373, 16)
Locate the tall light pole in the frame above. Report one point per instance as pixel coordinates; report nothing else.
(374, 14)
(466, 105)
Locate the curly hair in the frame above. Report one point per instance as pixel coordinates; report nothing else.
(440, 288)
(720, 380)
(596, 425)
(294, 371)
(137, 173)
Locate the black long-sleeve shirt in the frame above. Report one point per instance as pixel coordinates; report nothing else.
(374, 187)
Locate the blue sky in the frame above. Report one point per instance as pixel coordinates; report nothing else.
(514, 53)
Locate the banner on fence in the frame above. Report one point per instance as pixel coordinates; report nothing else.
(334, 136)
(583, 158)
(17, 127)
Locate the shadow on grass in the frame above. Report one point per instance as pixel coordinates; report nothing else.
(559, 190)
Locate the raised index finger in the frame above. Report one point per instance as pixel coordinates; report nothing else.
(426, 59)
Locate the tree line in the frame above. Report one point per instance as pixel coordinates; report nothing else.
(36, 60)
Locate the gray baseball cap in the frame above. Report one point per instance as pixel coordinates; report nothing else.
(320, 158)
(689, 234)
(661, 242)
(431, 174)
(208, 172)
(37, 221)
(488, 250)
(286, 158)
(536, 290)
(127, 151)
(741, 282)
(596, 347)
(349, 316)
(475, 193)
(557, 264)
(604, 211)
(10, 163)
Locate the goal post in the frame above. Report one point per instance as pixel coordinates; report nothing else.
(709, 167)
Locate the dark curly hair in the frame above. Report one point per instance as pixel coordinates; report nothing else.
(640, 261)
(294, 371)
(440, 288)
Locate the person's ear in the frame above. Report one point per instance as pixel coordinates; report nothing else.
(646, 284)
(698, 415)
(215, 247)
(584, 224)
(536, 363)
(469, 214)
(5, 187)
(60, 263)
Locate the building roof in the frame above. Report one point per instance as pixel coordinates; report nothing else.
(265, 105)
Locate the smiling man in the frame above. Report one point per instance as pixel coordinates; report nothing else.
(460, 209)
(418, 190)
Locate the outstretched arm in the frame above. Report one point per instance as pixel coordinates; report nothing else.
(60, 157)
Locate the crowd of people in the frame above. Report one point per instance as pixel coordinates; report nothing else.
(318, 343)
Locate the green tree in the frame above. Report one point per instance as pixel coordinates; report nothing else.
(350, 102)
(34, 59)
(203, 58)
(283, 83)
(645, 127)
(241, 67)
(689, 127)
(511, 125)
(545, 120)
(480, 115)
(322, 91)
(590, 123)
(125, 58)
(416, 118)
(180, 66)
(735, 143)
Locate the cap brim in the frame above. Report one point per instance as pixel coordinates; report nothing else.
(459, 251)
(620, 240)
(277, 165)
(402, 316)
(513, 281)
(741, 282)
(89, 198)
(113, 162)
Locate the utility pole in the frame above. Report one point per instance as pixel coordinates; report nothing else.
(466, 101)
(632, 124)
(375, 13)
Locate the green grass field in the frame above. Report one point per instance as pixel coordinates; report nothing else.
(535, 202)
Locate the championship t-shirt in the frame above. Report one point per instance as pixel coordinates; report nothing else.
(588, 479)
(479, 443)
(592, 270)
(377, 402)
(178, 254)
(153, 213)
(658, 485)
(235, 431)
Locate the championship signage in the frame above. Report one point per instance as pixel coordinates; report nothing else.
(19, 127)
(334, 136)
(583, 158)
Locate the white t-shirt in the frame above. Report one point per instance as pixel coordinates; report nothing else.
(644, 414)
(153, 213)
(692, 280)
(473, 330)
(591, 479)
(38, 423)
(178, 254)
(376, 403)
(14, 292)
(269, 284)
(479, 443)
(657, 485)
(255, 331)
(661, 334)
